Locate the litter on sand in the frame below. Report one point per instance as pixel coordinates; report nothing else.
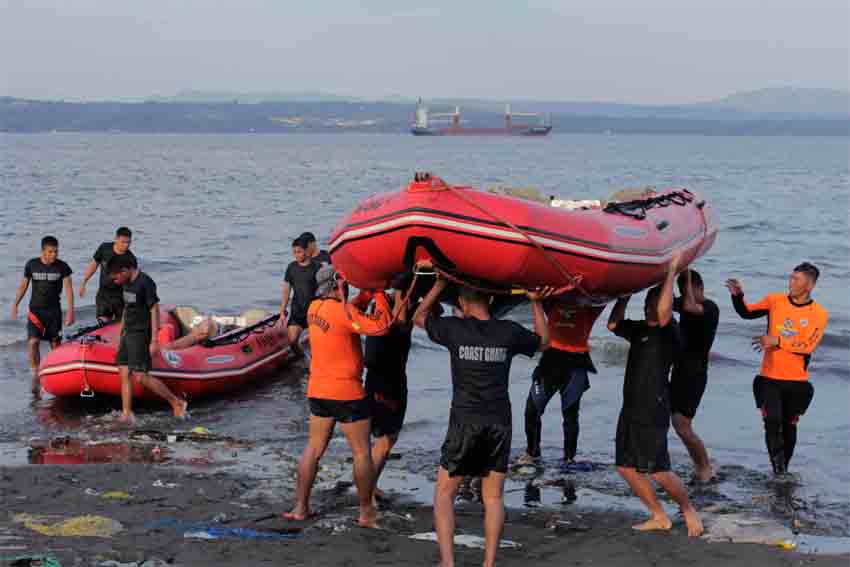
(466, 540)
(216, 532)
(742, 528)
(79, 526)
(30, 561)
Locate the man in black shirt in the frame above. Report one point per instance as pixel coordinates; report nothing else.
(312, 247)
(641, 447)
(699, 318)
(109, 300)
(49, 275)
(300, 281)
(478, 441)
(139, 335)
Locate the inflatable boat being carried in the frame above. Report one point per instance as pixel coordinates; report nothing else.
(248, 348)
(503, 242)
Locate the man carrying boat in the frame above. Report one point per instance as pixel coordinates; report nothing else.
(641, 445)
(335, 389)
(795, 327)
(109, 300)
(478, 441)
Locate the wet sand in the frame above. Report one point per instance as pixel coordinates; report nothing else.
(155, 518)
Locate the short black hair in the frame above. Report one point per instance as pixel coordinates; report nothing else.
(123, 231)
(653, 293)
(307, 237)
(299, 242)
(809, 269)
(682, 280)
(472, 294)
(49, 241)
(120, 262)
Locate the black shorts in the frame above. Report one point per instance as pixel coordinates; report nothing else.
(783, 399)
(299, 319)
(476, 450)
(134, 351)
(687, 385)
(48, 326)
(109, 305)
(341, 411)
(388, 400)
(641, 447)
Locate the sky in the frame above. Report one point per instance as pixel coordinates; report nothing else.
(645, 52)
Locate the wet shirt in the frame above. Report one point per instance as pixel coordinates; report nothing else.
(139, 296)
(800, 329)
(336, 353)
(386, 358)
(697, 332)
(646, 397)
(302, 280)
(481, 354)
(47, 281)
(102, 256)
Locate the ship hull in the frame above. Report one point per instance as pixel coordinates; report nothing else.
(534, 131)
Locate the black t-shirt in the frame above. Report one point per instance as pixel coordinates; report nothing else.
(481, 353)
(386, 359)
(47, 281)
(139, 297)
(323, 257)
(698, 332)
(102, 256)
(302, 279)
(646, 396)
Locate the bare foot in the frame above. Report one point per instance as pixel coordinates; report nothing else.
(693, 522)
(180, 409)
(704, 475)
(655, 523)
(127, 418)
(368, 518)
(296, 516)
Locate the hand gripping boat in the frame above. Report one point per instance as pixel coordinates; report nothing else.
(503, 242)
(252, 346)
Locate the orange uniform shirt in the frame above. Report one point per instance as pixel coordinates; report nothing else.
(570, 326)
(799, 328)
(336, 354)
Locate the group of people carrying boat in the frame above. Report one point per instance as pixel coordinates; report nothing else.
(665, 377)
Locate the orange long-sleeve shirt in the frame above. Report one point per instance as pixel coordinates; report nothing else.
(336, 363)
(570, 326)
(800, 329)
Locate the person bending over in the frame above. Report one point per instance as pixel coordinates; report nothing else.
(641, 441)
(795, 327)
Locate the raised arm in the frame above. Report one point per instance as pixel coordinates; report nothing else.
(428, 302)
(665, 300)
(375, 324)
(689, 302)
(68, 284)
(19, 295)
(541, 325)
(755, 311)
(90, 270)
(618, 313)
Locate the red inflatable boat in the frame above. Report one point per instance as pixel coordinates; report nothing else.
(254, 346)
(499, 240)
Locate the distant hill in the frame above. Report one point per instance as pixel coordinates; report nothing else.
(251, 98)
(787, 100)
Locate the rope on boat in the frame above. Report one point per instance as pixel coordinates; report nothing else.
(637, 209)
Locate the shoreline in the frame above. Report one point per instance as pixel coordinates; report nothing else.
(157, 505)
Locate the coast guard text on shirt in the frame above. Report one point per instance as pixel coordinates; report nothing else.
(482, 354)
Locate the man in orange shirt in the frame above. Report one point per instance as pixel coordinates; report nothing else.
(335, 388)
(563, 369)
(795, 326)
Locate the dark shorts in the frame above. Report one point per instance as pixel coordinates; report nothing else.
(109, 305)
(48, 326)
(134, 351)
(783, 399)
(388, 400)
(299, 319)
(687, 385)
(476, 450)
(641, 447)
(341, 411)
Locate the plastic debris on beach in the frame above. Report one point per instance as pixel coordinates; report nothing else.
(78, 526)
(217, 532)
(467, 540)
(30, 561)
(743, 528)
(146, 563)
(109, 495)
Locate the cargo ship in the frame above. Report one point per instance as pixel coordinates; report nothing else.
(424, 127)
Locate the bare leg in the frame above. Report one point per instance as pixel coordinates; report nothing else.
(126, 394)
(643, 489)
(695, 447)
(380, 452)
(670, 482)
(321, 429)
(357, 434)
(156, 386)
(444, 515)
(294, 333)
(34, 350)
(494, 515)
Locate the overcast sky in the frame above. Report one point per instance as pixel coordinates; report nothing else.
(641, 51)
